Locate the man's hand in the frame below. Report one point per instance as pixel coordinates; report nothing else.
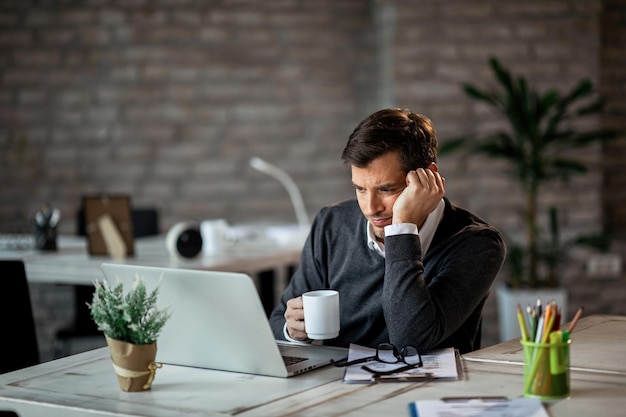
(294, 316)
(424, 189)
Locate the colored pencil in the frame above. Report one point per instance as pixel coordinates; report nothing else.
(522, 323)
(577, 317)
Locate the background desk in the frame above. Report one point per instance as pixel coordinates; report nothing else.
(71, 264)
(269, 264)
(86, 385)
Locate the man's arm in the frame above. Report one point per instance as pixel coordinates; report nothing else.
(460, 274)
(306, 278)
(424, 315)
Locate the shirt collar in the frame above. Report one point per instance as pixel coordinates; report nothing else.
(372, 243)
(427, 232)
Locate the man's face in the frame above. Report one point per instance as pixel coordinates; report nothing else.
(377, 187)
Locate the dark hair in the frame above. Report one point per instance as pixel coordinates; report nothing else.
(411, 135)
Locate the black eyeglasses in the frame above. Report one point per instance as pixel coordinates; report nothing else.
(387, 353)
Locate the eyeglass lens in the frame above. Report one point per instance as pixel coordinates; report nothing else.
(387, 353)
(411, 356)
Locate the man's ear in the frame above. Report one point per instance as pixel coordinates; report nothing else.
(433, 167)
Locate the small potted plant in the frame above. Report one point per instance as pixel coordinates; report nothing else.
(131, 324)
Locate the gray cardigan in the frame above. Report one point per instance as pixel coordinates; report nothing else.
(430, 303)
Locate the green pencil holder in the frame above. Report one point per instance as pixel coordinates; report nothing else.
(546, 369)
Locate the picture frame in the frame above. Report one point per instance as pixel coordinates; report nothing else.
(118, 209)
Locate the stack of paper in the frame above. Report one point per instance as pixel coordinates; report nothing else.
(484, 407)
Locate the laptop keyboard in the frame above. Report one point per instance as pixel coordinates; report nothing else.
(290, 360)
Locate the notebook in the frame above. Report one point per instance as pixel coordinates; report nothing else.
(218, 322)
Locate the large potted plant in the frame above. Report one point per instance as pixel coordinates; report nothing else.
(131, 323)
(540, 130)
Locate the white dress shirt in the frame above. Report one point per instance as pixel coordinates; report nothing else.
(426, 233)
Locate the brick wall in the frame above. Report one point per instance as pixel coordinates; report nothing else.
(167, 100)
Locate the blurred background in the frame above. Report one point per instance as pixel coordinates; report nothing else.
(167, 101)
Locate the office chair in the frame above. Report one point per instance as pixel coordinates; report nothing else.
(19, 344)
(145, 222)
(479, 335)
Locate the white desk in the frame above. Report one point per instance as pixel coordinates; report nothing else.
(72, 265)
(85, 384)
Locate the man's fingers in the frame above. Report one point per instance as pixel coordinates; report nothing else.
(295, 327)
(427, 179)
(295, 303)
(296, 334)
(294, 316)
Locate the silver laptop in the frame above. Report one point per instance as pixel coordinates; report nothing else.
(218, 322)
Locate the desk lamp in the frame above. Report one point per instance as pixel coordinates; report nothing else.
(289, 184)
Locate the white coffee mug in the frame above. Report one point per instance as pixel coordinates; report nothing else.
(321, 314)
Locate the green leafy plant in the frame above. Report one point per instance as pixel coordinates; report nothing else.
(132, 317)
(541, 130)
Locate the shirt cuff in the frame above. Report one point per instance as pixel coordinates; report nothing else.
(401, 229)
(290, 339)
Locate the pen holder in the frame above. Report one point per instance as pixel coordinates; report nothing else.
(46, 238)
(546, 369)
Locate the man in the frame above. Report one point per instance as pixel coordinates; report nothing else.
(410, 267)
